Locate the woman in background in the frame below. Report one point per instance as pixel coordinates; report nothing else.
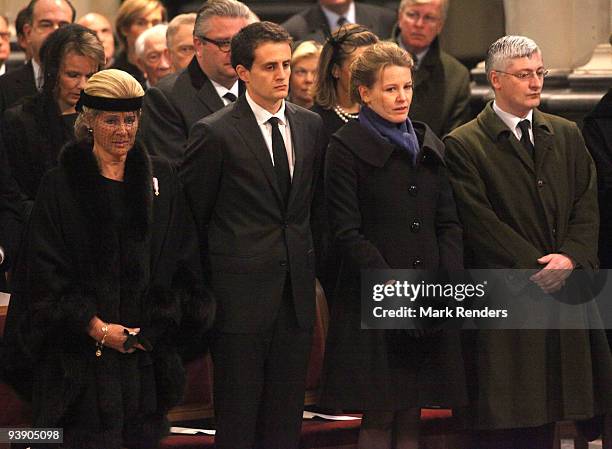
(134, 17)
(336, 107)
(35, 130)
(391, 207)
(304, 63)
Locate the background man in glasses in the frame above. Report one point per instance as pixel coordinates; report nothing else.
(207, 84)
(441, 83)
(44, 17)
(525, 187)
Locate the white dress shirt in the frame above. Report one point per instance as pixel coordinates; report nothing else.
(38, 75)
(332, 17)
(512, 122)
(262, 116)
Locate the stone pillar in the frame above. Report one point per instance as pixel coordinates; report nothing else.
(573, 36)
(567, 31)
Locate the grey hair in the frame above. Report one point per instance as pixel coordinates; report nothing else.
(443, 5)
(221, 8)
(157, 30)
(178, 21)
(506, 48)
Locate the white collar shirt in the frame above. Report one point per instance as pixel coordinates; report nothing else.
(222, 90)
(512, 121)
(262, 116)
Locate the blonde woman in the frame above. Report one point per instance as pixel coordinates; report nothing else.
(304, 65)
(391, 207)
(134, 17)
(109, 269)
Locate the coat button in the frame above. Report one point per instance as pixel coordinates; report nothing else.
(283, 263)
(415, 226)
(413, 190)
(540, 183)
(417, 263)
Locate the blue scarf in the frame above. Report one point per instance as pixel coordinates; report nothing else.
(399, 134)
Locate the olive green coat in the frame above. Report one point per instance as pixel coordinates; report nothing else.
(515, 210)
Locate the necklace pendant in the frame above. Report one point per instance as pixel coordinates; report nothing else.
(98, 352)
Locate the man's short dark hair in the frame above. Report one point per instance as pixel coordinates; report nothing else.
(32, 4)
(252, 36)
(23, 17)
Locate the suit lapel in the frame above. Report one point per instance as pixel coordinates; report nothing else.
(206, 92)
(247, 127)
(298, 142)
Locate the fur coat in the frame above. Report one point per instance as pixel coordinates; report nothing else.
(79, 261)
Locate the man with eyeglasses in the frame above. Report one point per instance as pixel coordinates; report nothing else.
(45, 17)
(207, 84)
(318, 21)
(441, 83)
(152, 54)
(525, 188)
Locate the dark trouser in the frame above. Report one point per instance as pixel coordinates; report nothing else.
(259, 382)
(524, 438)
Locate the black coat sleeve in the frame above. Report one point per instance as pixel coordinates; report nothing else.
(11, 214)
(341, 189)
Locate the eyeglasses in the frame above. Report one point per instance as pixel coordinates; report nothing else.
(224, 45)
(526, 75)
(414, 16)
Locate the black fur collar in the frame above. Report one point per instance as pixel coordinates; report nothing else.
(83, 174)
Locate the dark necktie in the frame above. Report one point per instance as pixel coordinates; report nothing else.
(229, 96)
(524, 126)
(281, 163)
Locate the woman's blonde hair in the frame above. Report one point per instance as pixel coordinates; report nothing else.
(305, 49)
(130, 10)
(366, 69)
(110, 83)
(336, 50)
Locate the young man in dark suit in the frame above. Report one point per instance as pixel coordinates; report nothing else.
(250, 172)
(207, 84)
(44, 17)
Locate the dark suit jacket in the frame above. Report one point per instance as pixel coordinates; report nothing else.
(172, 107)
(312, 23)
(250, 242)
(11, 218)
(15, 85)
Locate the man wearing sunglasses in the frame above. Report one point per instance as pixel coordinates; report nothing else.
(207, 84)
(441, 83)
(525, 188)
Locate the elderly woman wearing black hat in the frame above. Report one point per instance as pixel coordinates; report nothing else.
(108, 276)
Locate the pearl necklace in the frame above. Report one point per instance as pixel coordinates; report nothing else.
(344, 116)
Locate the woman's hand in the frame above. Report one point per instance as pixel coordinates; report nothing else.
(115, 335)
